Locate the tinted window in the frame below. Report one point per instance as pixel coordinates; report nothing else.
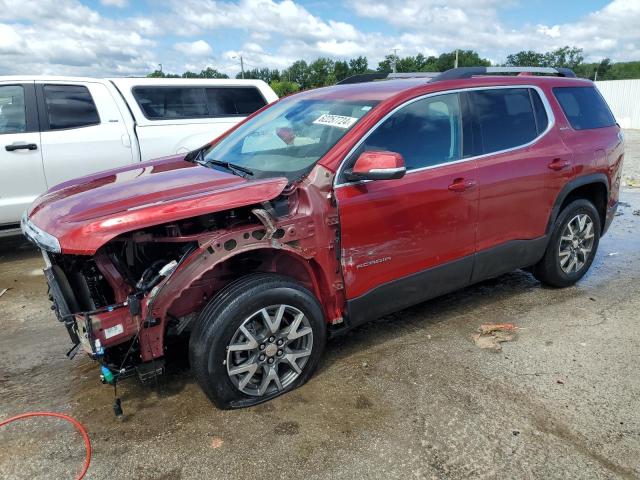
(425, 132)
(12, 110)
(542, 120)
(584, 107)
(69, 106)
(234, 101)
(505, 118)
(194, 102)
(169, 102)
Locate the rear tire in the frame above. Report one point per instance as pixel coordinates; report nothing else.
(259, 337)
(572, 246)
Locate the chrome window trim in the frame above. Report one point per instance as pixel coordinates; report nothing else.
(551, 121)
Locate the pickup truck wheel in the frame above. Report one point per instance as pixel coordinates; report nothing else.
(258, 338)
(572, 246)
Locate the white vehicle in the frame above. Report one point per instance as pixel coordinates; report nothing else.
(53, 129)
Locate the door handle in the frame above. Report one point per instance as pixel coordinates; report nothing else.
(559, 164)
(461, 185)
(20, 146)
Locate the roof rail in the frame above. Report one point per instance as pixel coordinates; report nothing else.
(468, 72)
(370, 77)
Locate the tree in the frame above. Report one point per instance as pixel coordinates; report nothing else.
(565, 57)
(284, 88)
(298, 72)
(212, 73)
(525, 58)
(466, 58)
(189, 74)
(321, 72)
(358, 65)
(341, 70)
(265, 74)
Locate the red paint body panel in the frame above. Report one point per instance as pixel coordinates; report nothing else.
(405, 225)
(86, 213)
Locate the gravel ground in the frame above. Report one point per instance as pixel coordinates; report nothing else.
(406, 396)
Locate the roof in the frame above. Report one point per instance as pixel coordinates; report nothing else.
(132, 81)
(386, 89)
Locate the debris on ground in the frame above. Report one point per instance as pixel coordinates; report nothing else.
(636, 213)
(612, 254)
(3, 291)
(491, 335)
(216, 442)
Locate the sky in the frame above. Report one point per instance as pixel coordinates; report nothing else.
(132, 37)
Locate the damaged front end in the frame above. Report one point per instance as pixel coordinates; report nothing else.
(140, 292)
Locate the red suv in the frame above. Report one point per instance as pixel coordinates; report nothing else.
(324, 210)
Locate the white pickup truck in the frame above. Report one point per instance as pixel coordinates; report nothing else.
(53, 129)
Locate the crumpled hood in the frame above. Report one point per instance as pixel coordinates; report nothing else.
(85, 213)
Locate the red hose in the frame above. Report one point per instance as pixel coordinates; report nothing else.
(73, 421)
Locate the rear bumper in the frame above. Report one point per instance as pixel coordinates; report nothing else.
(611, 213)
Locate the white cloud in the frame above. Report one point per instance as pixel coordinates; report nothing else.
(68, 37)
(199, 48)
(114, 3)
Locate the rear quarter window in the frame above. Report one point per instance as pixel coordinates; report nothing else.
(584, 107)
(170, 103)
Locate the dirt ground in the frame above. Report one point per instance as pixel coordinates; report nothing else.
(409, 395)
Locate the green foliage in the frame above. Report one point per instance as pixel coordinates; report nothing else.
(265, 74)
(325, 71)
(525, 58)
(283, 87)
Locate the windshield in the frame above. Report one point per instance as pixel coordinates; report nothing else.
(288, 138)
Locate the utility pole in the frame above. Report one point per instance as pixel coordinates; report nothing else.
(455, 64)
(160, 67)
(595, 77)
(242, 66)
(395, 60)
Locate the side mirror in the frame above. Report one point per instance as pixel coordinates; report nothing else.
(377, 166)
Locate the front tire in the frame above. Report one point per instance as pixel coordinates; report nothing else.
(259, 337)
(572, 246)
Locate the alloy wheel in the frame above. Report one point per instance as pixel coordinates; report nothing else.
(576, 243)
(269, 350)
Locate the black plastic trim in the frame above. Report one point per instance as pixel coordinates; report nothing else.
(433, 282)
(571, 186)
(410, 290)
(507, 257)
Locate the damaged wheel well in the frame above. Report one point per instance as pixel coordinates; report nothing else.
(262, 260)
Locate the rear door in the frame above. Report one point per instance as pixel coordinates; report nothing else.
(410, 239)
(83, 131)
(522, 164)
(21, 173)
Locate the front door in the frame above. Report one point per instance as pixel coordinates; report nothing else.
(21, 173)
(406, 240)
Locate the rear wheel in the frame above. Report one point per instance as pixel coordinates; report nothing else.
(572, 246)
(261, 336)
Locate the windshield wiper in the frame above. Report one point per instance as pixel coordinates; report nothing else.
(232, 167)
(196, 155)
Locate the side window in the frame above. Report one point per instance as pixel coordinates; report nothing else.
(165, 103)
(234, 100)
(69, 106)
(542, 120)
(426, 132)
(505, 118)
(13, 118)
(584, 107)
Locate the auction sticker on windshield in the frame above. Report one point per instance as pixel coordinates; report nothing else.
(335, 120)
